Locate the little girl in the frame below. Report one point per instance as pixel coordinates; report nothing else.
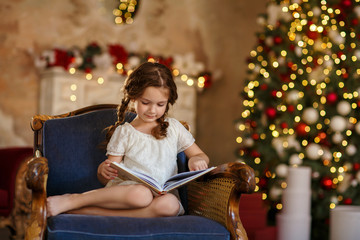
(149, 144)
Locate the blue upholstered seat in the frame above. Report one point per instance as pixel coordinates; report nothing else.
(77, 227)
(73, 149)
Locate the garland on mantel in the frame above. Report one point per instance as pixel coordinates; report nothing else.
(116, 59)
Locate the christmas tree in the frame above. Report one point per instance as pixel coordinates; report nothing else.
(301, 103)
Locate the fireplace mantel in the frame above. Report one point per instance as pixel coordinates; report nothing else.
(61, 92)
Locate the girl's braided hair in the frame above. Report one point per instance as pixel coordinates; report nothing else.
(146, 75)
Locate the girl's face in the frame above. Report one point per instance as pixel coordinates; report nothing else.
(151, 105)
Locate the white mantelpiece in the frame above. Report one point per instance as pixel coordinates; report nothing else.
(62, 92)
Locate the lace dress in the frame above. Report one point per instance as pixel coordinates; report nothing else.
(144, 153)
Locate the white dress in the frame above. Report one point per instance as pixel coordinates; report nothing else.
(144, 153)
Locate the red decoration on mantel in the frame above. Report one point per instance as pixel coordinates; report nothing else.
(84, 60)
(208, 80)
(61, 58)
(118, 53)
(166, 61)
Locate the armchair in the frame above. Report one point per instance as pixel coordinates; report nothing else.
(66, 160)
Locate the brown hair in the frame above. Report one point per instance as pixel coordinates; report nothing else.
(146, 75)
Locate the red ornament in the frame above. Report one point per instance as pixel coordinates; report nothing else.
(270, 112)
(356, 166)
(253, 124)
(262, 183)
(263, 86)
(301, 129)
(323, 138)
(346, 3)
(326, 183)
(255, 154)
(291, 108)
(278, 40)
(255, 136)
(285, 78)
(324, 32)
(273, 93)
(331, 98)
(312, 34)
(284, 125)
(347, 201)
(355, 21)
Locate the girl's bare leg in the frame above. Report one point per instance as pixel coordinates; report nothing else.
(163, 206)
(116, 197)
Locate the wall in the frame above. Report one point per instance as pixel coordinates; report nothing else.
(219, 33)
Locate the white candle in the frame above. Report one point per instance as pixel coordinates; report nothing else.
(291, 227)
(294, 221)
(296, 202)
(299, 178)
(345, 223)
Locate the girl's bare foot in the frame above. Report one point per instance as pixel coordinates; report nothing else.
(59, 204)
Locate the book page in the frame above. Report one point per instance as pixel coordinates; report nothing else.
(128, 174)
(183, 178)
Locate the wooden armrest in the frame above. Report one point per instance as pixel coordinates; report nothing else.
(36, 178)
(217, 195)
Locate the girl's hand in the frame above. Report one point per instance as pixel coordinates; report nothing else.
(198, 160)
(106, 171)
(197, 163)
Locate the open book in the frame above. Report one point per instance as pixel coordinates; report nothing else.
(172, 183)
